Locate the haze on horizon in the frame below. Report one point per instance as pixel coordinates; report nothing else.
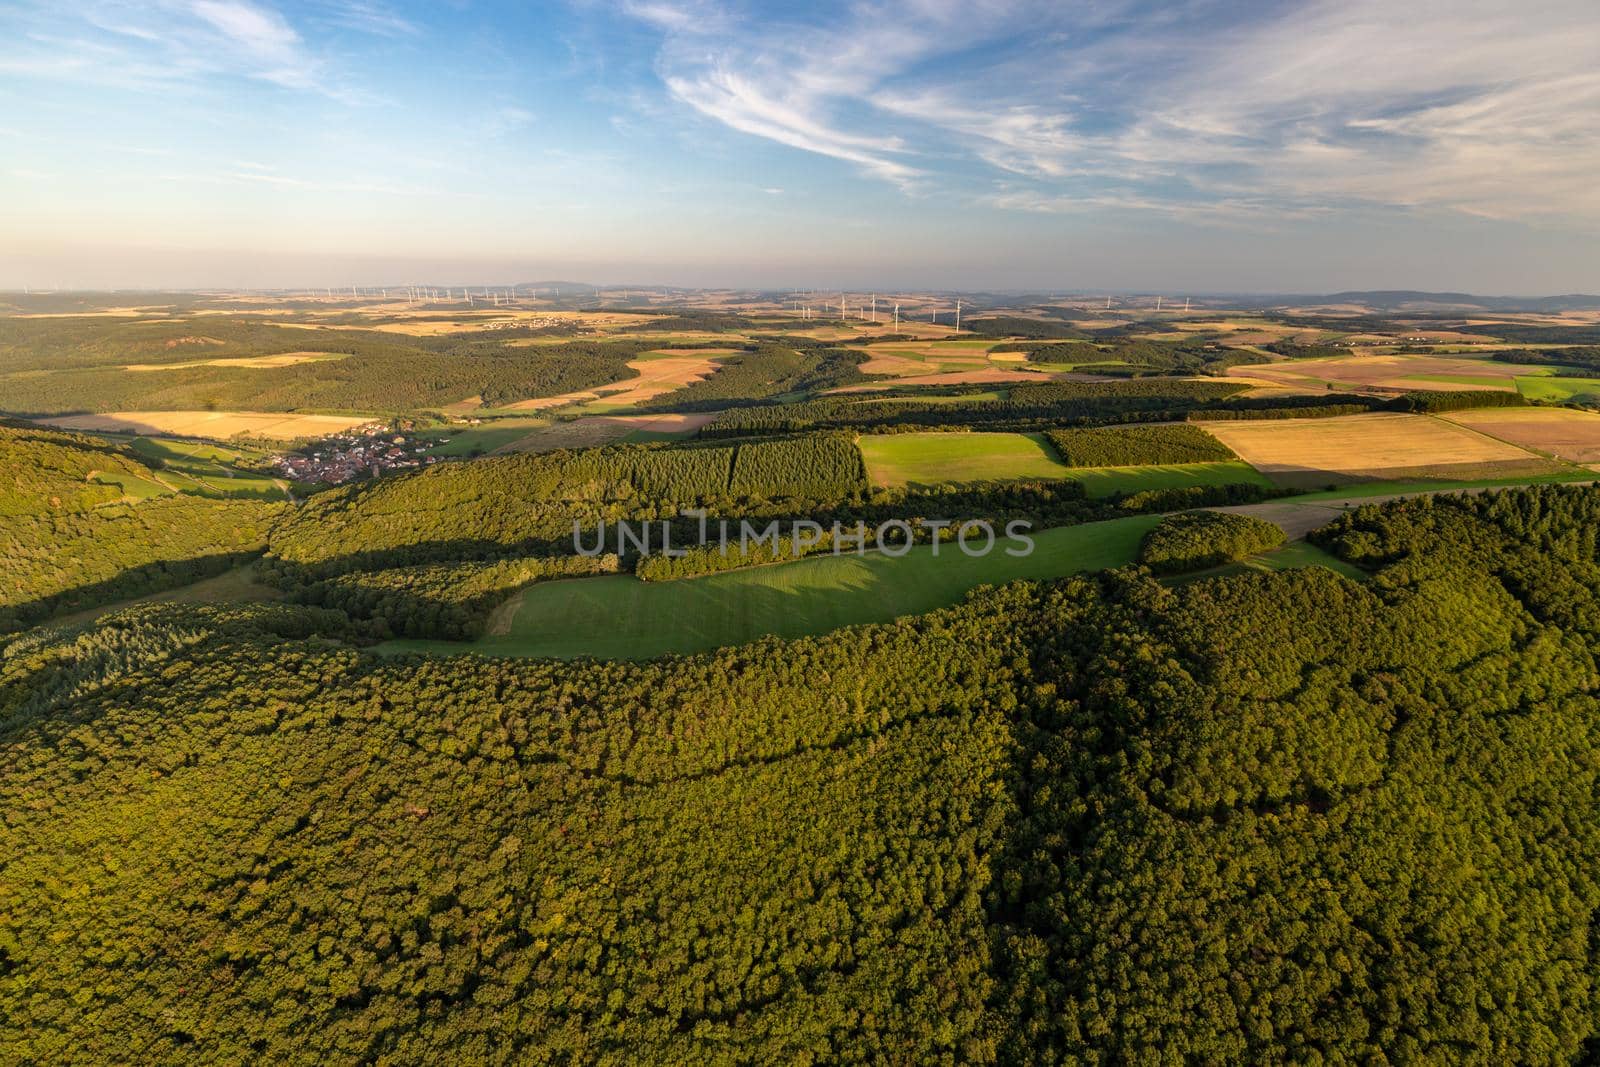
(1203, 145)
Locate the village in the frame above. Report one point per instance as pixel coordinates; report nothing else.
(364, 452)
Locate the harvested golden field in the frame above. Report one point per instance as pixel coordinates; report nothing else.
(659, 373)
(598, 430)
(1571, 435)
(221, 425)
(1386, 372)
(1377, 447)
(282, 359)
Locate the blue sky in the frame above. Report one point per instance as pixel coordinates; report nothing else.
(1208, 145)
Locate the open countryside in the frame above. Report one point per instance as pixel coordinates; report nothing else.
(889, 533)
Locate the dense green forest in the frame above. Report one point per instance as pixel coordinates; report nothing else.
(1265, 818)
(769, 370)
(1126, 446)
(71, 536)
(1193, 540)
(63, 366)
(523, 503)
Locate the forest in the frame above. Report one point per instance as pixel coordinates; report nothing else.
(71, 536)
(1194, 540)
(1262, 818)
(63, 366)
(1127, 446)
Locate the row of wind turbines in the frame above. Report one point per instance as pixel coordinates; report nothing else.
(865, 310)
(424, 294)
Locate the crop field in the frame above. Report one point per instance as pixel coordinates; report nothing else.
(911, 459)
(591, 431)
(1378, 447)
(1109, 481)
(218, 425)
(485, 437)
(620, 617)
(1562, 432)
(916, 358)
(282, 359)
(659, 373)
(1560, 390)
(1390, 372)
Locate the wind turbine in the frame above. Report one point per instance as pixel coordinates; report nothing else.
(897, 316)
(1185, 305)
(1158, 303)
(958, 314)
(874, 307)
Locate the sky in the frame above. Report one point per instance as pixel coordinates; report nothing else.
(1200, 146)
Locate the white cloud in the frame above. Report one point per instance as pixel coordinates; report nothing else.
(169, 45)
(1473, 106)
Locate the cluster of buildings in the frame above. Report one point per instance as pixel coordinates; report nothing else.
(367, 451)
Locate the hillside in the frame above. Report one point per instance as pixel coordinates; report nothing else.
(1096, 818)
(83, 522)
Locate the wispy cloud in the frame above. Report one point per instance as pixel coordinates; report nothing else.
(171, 44)
(1142, 106)
(371, 18)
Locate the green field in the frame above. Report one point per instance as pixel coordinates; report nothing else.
(133, 487)
(945, 458)
(487, 437)
(620, 617)
(1108, 481)
(1360, 489)
(1559, 390)
(201, 468)
(922, 459)
(1482, 381)
(1285, 557)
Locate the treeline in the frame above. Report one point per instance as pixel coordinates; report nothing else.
(1579, 358)
(1297, 350)
(689, 321)
(1138, 357)
(1271, 817)
(1018, 326)
(447, 601)
(1428, 402)
(1029, 407)
(1531, 334)
(1318, 406)
(1130, 446)
(768, 371)
(1281, 411)
(76, 366)
(529, 503)
(1195, 540)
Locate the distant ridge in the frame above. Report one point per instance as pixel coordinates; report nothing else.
(1411, 299)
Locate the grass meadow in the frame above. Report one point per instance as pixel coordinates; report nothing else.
(620, 617)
